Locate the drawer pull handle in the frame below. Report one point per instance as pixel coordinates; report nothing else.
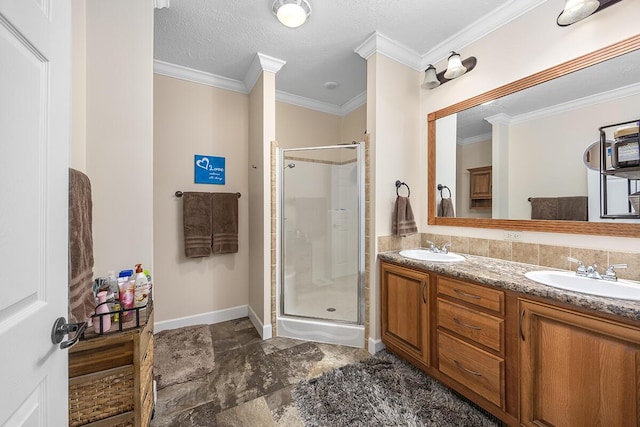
(477, 374)
(466, 325)
(464, 294)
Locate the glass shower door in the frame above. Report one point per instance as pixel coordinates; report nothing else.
(321, 233)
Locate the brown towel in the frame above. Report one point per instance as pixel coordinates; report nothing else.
(403, 222)
(81, 300)
(573, 208)
(445, 208)
(544, 208)
(196, 220)
(224, 208)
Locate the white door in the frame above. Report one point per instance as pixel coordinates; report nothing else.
(35, 72)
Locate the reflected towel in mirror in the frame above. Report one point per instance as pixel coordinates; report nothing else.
(445, 208)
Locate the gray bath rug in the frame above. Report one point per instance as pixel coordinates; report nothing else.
(183, 354)
(382, 391)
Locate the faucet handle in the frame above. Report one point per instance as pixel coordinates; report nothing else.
(610, 273)
(432, 245)
(581, 267)
(444, 247)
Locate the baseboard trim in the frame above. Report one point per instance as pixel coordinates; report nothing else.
(265, 331)
(375, 346)
(203, 318)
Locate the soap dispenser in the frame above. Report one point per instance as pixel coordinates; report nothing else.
(142, 287)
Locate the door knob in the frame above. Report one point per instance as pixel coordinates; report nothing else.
(62, 328)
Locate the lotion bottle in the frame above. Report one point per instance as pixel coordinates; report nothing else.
(141, 287)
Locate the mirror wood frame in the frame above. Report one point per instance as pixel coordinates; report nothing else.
(571, 227)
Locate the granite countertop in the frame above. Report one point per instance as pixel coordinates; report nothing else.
(510, 275)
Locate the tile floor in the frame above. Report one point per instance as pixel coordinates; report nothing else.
(252, 380)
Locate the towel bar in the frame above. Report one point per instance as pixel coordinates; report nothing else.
(442, 187)
(400, 184)
(180, 193)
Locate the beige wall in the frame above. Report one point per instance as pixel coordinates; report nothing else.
(189, 119)
(354, 125)
(262, 130)
(78, 146)
(528, 44)
(397, 151)
(119, 131)
(470, 156)
(298, 127)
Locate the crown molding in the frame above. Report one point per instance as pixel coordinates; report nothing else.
(197, 76)
(474, 139)
(478, 29)
(587, 101)
(202, 77)
(354, 103)
(499, 119)
(261, 62)
(379, 43)
(323, 107)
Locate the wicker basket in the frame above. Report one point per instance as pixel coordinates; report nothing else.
(97, 396)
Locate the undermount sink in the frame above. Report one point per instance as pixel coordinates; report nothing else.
(623, 289)
(427, 255)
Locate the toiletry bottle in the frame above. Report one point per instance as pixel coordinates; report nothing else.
(141, 287)
(104, 319)
(127, 292)
(113, 286)
(146, 273)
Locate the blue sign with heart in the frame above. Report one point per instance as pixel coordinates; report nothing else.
(209, 169)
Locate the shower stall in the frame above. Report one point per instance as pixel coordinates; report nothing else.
(321, 244)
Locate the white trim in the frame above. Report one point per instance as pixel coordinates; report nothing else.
(203, 318)
(312, 104)
(612, 95)
(499, 119)
(478, 29)
(197, 76)
(474, 139)
(379, 43)
(375, 346)
(261, 62)
(319, 331)
(265, 331)
(354, 103)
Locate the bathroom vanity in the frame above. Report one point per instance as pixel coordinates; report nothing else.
(528, 353)
(111, 378)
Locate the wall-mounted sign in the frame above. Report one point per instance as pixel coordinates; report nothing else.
(209, 169)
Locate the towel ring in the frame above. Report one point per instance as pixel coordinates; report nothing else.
(400, 184)
(179, 194)
(442, 187)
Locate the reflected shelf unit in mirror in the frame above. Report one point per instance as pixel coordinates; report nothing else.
(511, 209)
(620, 170)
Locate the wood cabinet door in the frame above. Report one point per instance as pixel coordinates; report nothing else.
(577, 370)
(405, 314)
(480, 183)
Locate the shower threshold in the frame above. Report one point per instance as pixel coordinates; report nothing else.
(321, 331)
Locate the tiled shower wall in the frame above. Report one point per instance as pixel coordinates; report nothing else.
(529, 253)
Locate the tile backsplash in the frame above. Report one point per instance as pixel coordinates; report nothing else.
(529, 253)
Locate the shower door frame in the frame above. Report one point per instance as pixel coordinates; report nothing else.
(360, 170)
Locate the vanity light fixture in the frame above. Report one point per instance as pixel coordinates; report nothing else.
(455, 68)
(161, 4)
(291, 13)
(577, 10)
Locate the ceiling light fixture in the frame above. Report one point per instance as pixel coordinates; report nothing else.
(291, 13)
(455, 68)
(576, 10)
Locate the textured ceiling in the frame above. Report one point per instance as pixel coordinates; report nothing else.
(222, 37)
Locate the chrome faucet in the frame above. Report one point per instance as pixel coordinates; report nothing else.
(435, 249)
(592, 270)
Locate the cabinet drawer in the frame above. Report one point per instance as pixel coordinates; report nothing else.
(478, 370)
(491, 299)
(479, 327)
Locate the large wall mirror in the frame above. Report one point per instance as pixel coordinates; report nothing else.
(505, 156)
